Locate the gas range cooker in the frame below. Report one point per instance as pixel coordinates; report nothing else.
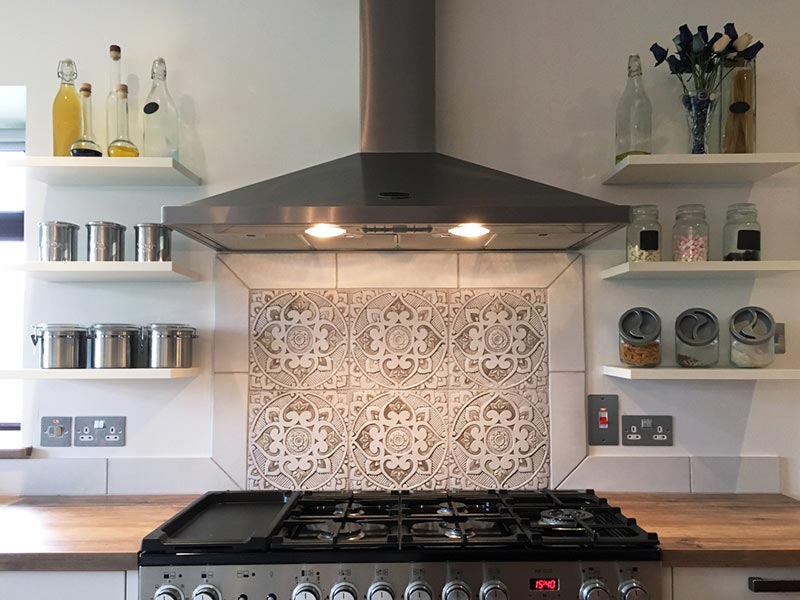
(544, 545)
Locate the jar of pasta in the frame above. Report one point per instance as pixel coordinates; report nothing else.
(640, 338)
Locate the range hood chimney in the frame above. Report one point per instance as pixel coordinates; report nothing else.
(398, 193)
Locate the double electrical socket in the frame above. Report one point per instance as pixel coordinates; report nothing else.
(637, 430)
(88, 431)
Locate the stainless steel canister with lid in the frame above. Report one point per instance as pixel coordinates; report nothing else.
(697, 338)
(106, 241)
(58, 241)
(114, 345)
(60, 346)
(169, 345)
(752, 337)
(153, 242)
(640, 337)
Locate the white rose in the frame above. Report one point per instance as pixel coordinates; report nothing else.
(742, 42)
(722, 43)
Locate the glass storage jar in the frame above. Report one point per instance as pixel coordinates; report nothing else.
(752, 337)
(696, 339)
(690, 234)
(644, 235)
(741, 236)
(640, 338)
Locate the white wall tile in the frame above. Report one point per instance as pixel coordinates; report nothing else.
(229, 443)
(398, 270)
(631, 474)
(282, 271)
(63, 476)
(231, 301)
(567, 424)
(736, 474)
(565, 311)
(510, 269)
(166, 476)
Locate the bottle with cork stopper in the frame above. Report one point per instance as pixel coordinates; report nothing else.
(86, 144)
(122, 146)
(114, 79)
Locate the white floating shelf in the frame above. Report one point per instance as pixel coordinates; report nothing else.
(105, 171)
(137, 374)
(674, 374)
(699, 168)
(82, 271)
(701, 270)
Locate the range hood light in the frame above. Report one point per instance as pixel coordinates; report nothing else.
(469, 230)
(323, 230)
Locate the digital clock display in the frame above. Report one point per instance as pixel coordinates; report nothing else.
(548, 584)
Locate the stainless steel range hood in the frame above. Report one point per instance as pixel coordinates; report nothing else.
(398, 193)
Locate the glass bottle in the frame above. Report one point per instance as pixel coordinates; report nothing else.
(690, 234)
(160, 119)
(85, 145)
(66, 109)
(634, 114)
(114, 79)
(738, 102)
(122, 146)
(741, 236)
(644, 235)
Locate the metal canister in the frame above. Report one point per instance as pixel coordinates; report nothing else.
(153, 242)
(106, 241)
(58, 241)
(114, 345)
(60, 346)
(169, 345)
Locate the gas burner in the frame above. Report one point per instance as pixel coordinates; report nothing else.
(451, 529)
(327, 530)
(563, 516)
(447, 509)
(351, 510)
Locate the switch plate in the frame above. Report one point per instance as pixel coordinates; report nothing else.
(606, 408)
(646, 430)
(56, 432)
(99, 431)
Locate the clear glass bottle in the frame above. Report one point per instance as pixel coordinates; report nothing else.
(85, 144)
(690, 234)
(114, 79)
(741, 236)
(644, 235)
(66, 109)
(738, 104)
(697, 339)
(752, 338)
(640, 338)
(634, 115)
(122, 146)
(160, 119)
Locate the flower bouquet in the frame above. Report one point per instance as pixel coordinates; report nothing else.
(699, 63)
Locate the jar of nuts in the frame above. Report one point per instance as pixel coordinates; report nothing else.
(690, 234)
(697, 338)
(640, 338)
(752, 337)
(644, 234)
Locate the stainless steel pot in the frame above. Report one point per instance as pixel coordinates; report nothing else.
(58, 241)
(114, 345)
(60, 346)
(106, 241)
(153, 242)
(169, 346)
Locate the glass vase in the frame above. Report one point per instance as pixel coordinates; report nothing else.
(699, 105)
(738, 107)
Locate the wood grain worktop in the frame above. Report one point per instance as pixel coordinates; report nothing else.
(104, 533)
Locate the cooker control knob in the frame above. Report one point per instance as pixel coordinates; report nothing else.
(419, 590)
(494, 590)
(206, 592)
(632, 589)
(306, 591)
(380, 590)
(168, 592)
(594, 589)
(456, 590)
(344, 591)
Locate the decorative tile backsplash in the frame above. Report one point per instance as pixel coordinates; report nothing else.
(398, 389)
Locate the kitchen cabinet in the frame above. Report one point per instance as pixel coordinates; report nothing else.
(108, 585)
(726, 584)
(132, 585)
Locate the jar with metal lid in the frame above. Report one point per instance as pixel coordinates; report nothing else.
(752, 337)
(153, 242)
(106, 241)
(697, 338)
(60, 346)
(58, 241)
(690, 234)
(644, 235)
(169, 345)
(114, 345)
(741, 236)
(640, 338)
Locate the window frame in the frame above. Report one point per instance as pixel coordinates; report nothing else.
(12, 226)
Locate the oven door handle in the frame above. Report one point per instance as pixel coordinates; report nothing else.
(759, 585)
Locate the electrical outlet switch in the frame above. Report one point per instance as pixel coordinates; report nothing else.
(56, 431)
(646, 430)
(603, 425)
(99, 431)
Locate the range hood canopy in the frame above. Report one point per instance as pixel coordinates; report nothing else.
(398, 193)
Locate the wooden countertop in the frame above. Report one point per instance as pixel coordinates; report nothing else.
(104, 533)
